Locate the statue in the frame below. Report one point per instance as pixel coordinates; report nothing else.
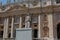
(27, 21)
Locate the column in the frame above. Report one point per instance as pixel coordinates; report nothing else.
(27, 22)
(6, 35)
(50, 25)
(39, 25)
(4, 28)
(20, 23)
(12, 27)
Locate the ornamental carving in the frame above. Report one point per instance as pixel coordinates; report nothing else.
(35, 3)
(45, 27)
(45, 31)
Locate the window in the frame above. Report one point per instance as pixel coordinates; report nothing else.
(35, 24)
(23, 20)
(58, 16)
(2, 21)
(35, 18)
(57, 1)
(17, 19)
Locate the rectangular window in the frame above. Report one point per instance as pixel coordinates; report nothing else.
(23, 20)
(17, 19)
(1, 21)
(35, 18)
(58, 16)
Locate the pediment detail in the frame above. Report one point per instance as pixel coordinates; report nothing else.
(14, 8)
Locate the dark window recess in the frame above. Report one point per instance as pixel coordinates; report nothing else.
(9, 26)
(9, 35)
(58, 31)
(24, 5)
(23, 26)
(35, 33)
(57, 1)
(2, 27)
(1, 34)
(35, 25)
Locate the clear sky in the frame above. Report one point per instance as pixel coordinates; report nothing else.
(5, 1)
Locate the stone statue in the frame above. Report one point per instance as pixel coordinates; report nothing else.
(27, 21)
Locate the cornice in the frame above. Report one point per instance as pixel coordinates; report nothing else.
(47, 9)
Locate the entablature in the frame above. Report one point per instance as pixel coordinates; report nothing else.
(25, 10)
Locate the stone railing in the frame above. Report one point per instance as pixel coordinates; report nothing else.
(39, 39)
(10, 39)
(7, 38)
(1, 38)
(14, 39)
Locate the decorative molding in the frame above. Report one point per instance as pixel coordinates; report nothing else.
(35, 3)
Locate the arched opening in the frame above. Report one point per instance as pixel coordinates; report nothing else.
(58, 30)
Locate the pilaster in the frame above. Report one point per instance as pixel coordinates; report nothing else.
(50, 25)
(39, 26)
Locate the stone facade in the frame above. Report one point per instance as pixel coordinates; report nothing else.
(43, 20)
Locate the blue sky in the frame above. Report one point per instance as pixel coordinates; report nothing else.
(5, 1)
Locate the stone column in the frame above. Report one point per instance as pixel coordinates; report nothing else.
(27, 22)
(4, 28)
(20, 23)
(50, 25)
(12, 27)
(6, 35)
(39, 25)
